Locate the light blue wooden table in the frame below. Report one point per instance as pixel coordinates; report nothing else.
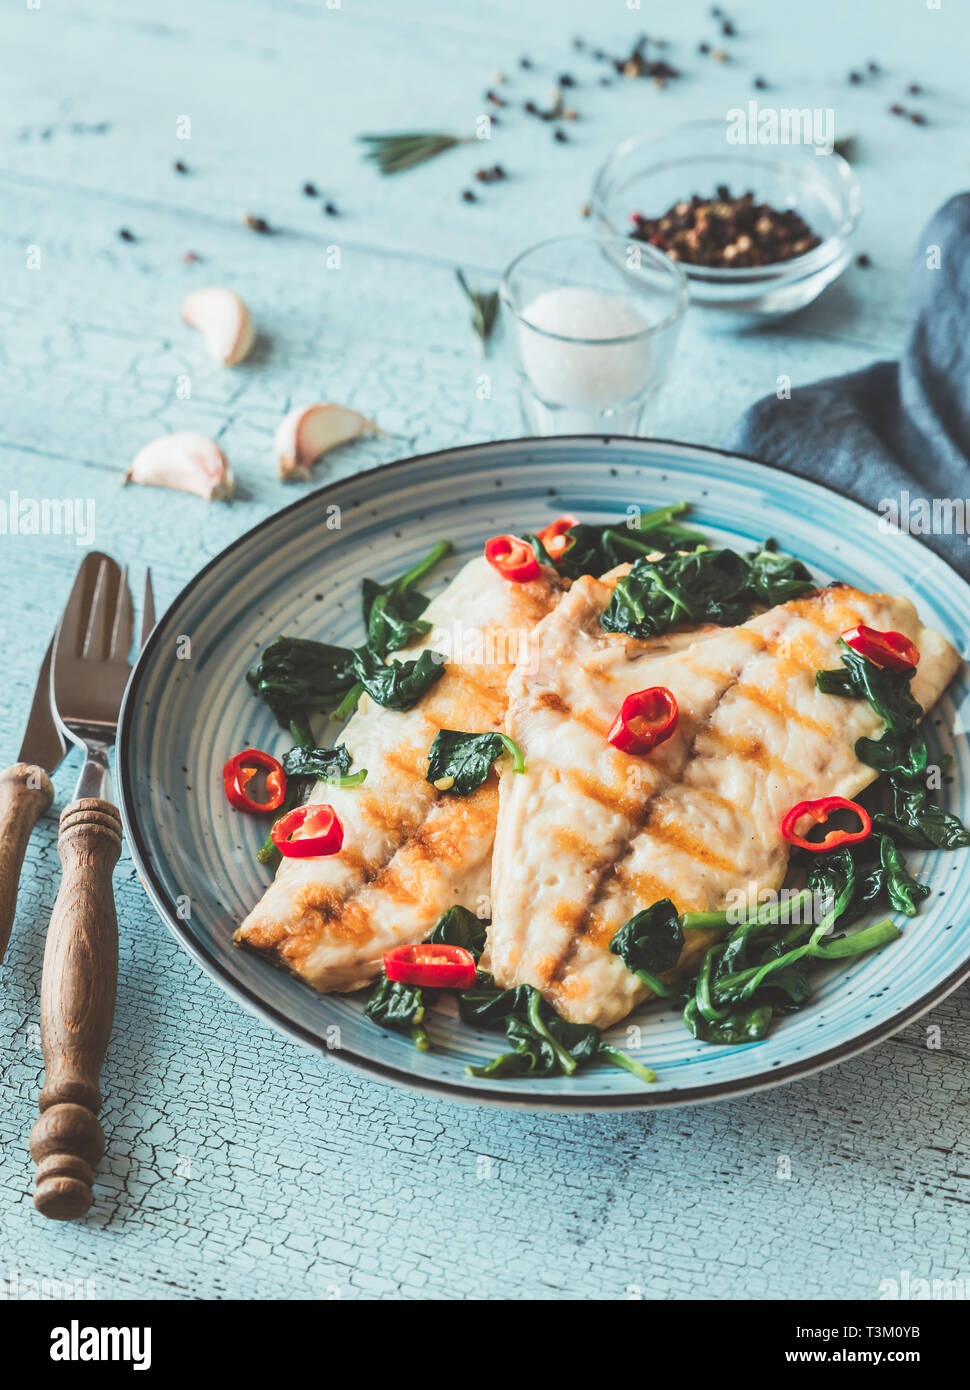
(239, 1165)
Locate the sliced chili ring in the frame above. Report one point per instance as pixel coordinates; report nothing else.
(891, 649)
(555, 537)
(513, 557)
(819, 811)
(432, 964)
(646, 718)
(307, 832)
(240, 770)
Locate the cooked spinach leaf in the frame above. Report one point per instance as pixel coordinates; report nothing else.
(296, 677)
(900, 753)
(392, 611)
(745, 1025)
(918, 820)
(322, 765)
(542, 1042)
(460, 927)
(758, 970)
(400, 685)
(777, 578)
(712, 586)
(467, 759)
(401, 1007)
(650, 943)
(557, 1050)
(596, 549)
(392, 620)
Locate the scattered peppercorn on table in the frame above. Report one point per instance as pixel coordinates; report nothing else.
(221, 149)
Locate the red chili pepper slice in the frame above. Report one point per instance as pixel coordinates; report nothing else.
(240, 770)
(820, 812)
(892, 649)
(513, 558)
(646, 718)
(308, 831)
(431, 964)
(554, 537)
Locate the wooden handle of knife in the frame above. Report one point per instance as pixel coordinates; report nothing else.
(77, 1000)
(25, 794)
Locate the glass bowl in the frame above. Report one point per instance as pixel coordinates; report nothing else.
(594, 323)
(650, 173)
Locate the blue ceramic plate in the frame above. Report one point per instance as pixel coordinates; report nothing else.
(186, 709)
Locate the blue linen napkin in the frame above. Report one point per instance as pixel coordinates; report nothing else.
(894, 431)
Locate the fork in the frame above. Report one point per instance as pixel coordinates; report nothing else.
(89, 672)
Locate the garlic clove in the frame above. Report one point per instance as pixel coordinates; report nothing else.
(190, 462)
(224, 322)
(309, 431)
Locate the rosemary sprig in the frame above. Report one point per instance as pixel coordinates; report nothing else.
(484, 309)
(394, 153)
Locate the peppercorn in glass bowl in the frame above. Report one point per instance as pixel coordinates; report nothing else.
(759, 229)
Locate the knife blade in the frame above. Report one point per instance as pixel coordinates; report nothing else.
(26, 792)
(43, 741)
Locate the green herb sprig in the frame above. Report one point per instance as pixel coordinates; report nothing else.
(394, 153)
(484, 309)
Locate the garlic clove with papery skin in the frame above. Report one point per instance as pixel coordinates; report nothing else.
(190, 462)
(224, 322)
(310, 430)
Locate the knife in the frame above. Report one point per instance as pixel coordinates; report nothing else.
(26, 793)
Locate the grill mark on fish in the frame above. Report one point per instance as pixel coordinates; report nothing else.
(770, 701)
(605, 794)
(748, 746)
(669, 832)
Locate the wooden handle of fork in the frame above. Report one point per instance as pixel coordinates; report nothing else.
(25, 794)
(77, 1001)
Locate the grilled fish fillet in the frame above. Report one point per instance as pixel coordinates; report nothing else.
(588, 835)
(409, 852)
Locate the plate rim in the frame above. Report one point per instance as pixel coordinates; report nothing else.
(397, 1076)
